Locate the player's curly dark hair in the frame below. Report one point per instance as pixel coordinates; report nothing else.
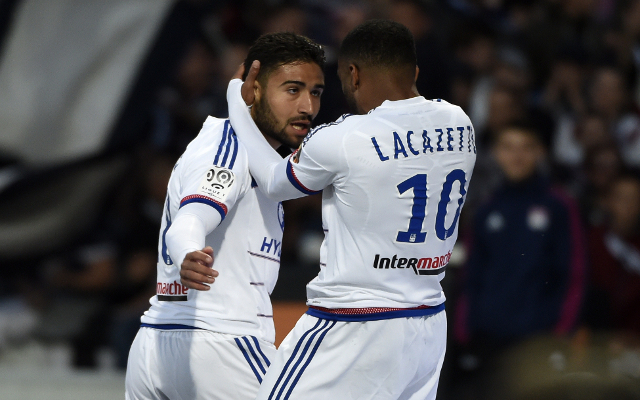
(380, 44)
(276, 49)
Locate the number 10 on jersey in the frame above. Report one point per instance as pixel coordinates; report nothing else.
(418, 183)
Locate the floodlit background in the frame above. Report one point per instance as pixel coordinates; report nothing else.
(98, 99)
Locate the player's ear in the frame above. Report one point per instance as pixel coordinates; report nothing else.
(257, 90)
(354, 73)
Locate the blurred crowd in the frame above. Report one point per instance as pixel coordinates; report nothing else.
(546, 284)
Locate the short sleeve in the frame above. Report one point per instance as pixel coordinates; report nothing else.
(214, 174)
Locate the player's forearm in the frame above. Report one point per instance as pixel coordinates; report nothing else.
(265, 164)
(189, 229)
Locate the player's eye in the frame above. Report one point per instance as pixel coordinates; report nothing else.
(316, 93)
(293, 90)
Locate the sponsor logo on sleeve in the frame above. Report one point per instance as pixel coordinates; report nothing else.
(174, 291)
(217, 183)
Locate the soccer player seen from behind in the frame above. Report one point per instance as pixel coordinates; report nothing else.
(217, 342)
(393, 182)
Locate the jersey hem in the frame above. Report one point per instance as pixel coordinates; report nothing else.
(350, 315)
(169, 327)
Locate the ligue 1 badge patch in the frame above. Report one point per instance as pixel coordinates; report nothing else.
(538, 218)
(217, 183)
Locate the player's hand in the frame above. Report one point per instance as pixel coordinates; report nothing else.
(196, 271)
(248, 94)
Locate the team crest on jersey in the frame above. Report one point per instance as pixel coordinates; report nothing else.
(281, 216)
(217, 183)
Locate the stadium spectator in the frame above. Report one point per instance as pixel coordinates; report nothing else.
(614, 251)
(526, 266)
(188, 99)
(609, 97)
(603, 164)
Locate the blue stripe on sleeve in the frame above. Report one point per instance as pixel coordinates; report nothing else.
(224, 138)
(235, 148)
(296, 183)
(226, 152)
(211, 203)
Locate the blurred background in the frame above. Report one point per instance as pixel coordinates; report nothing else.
(98, 99)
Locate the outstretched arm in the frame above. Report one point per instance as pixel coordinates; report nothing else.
(268, 169)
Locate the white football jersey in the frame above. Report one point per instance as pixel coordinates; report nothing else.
(247, 244)
(394, 184)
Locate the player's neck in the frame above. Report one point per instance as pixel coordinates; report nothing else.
(274, 143)
(384, 90)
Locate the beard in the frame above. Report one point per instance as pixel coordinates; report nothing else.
(268, 124)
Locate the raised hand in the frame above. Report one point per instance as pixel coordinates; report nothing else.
(248, 93)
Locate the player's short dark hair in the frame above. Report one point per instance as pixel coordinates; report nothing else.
(380, 44)
(276, 49)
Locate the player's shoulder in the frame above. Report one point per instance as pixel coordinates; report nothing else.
(216, 142)
(215, 130)
(330, 131)
(344, 121)
(445, 106)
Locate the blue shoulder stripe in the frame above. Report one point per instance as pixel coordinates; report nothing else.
(226, 152)
(235, 148)
(224, 138)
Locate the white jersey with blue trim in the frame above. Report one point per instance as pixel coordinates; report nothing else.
(394, 182)
(247, 243)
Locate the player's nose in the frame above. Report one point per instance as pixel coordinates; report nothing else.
(307, 105)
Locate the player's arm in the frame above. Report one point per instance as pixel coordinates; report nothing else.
(208, 191)
(186, 242)
(280, 179)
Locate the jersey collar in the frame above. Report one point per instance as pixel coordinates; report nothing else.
(403, 103)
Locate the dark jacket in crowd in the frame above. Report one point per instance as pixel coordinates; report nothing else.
(526, 269)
